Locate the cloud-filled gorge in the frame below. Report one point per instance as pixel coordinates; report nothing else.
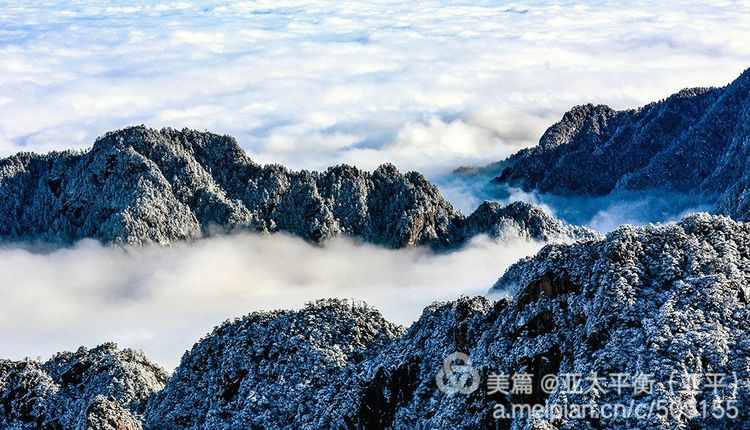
(162, 299)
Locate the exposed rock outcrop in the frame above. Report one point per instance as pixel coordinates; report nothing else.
(98, 389)
(694, 141)
(140, 185)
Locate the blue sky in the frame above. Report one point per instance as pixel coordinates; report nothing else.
(427, 85)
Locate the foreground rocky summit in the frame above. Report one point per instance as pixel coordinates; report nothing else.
(668, 302)
(99, 389)
(695, 141)
(140, 185)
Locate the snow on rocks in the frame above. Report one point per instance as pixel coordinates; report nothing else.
(102, 388)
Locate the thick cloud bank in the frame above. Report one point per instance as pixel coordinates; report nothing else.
(601, 213)
(162, 299)
(427, 85)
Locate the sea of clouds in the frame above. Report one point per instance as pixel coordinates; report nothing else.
(601, 213)
(427, 85)
(162, 300)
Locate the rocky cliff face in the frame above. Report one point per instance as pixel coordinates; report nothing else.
(694, 141)
(99, 389)
(670, 302)
(140, 185)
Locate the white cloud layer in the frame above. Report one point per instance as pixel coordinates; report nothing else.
(602, 213)
(310, 83)
(162, 300)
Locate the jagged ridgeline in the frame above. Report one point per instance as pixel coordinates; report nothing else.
(696, 141)
(660, 300)
(140, 185)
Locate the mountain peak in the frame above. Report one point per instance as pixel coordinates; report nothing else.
(170, 142)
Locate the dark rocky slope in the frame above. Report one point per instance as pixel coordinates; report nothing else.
(99, 389)
(140, 185)
(694, 141)
(662, 300)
